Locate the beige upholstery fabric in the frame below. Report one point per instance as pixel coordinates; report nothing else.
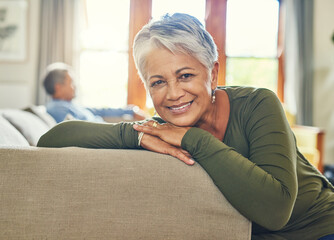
(29, 125)
(75, 193)
(9, 135)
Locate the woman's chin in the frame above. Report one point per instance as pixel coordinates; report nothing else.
(180, 122)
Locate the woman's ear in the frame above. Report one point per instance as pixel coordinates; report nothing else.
(214, 76)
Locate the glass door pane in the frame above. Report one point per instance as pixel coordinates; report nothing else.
(251, 28)
(195, 8)
(255, 72)
(104, 54)
(251, 43)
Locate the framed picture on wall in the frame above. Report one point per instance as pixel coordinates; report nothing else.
(13, 30)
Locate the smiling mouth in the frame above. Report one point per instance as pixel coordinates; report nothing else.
(180, 108)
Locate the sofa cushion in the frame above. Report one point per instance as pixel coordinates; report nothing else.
(40, 111)
(10, 136)
(29, 125)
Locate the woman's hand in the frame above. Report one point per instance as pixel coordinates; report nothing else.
(167, 132)
(155, 144)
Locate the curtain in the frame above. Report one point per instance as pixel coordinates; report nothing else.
(299, 60)
(58, 38)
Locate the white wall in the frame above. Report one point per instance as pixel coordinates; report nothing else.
(17, 80)
(324, 73)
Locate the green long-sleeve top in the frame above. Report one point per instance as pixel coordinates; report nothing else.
(257, 167)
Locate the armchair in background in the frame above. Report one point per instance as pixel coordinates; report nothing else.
(310, 141)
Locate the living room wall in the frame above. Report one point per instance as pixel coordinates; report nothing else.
(324, 73)
(18, 80)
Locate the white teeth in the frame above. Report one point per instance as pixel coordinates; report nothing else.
(178, 108)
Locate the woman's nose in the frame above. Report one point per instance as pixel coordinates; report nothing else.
(174, 91)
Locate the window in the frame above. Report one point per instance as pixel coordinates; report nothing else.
(104, 53)
(251, 43)
(195, 8)
(247, 34)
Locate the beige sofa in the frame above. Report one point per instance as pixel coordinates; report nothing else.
(77, 193)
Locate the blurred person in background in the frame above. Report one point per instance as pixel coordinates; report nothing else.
(59, 84)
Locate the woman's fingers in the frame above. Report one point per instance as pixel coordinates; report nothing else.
(151, 124)
(147, 128)
(167, 132)
(175, 152)
(155, 144)
(185, 152)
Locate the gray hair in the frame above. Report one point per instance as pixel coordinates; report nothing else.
(177, 33)
(55, 73)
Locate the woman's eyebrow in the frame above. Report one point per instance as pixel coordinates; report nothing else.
(176, 72)
(155, 76)
(181, 69)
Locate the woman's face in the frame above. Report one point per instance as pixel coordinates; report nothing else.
(180, 87)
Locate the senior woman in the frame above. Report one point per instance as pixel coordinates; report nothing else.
(239, 135)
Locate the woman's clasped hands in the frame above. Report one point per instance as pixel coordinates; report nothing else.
(164, 138)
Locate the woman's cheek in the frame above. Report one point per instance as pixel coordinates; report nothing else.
(157, 94)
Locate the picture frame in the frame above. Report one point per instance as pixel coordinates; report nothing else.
(13, 30)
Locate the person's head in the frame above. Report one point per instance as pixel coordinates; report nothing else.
(177, 60)
(179, 33)
(58, 81)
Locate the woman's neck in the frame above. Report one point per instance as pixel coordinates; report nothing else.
(217, 120)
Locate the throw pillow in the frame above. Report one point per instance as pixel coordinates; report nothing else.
(40, 111)
(9, 135)
(28, 124)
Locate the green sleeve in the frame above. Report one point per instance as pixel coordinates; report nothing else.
(262, 185)
(90, 135)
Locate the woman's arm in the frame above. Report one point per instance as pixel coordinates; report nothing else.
(263, 185)
(102, 135)
(90, 135)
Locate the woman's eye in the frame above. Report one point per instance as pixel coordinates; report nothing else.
(156, 83)
(186, 75)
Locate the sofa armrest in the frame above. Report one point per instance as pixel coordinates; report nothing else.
(76, 193)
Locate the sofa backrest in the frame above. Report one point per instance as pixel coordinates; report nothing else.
(76, 193)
